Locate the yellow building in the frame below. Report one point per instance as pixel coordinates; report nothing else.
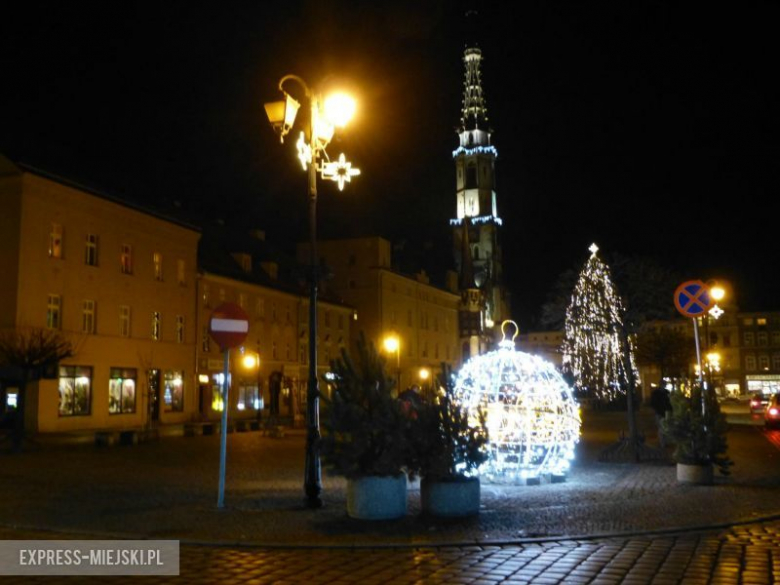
(421, 317)
(270, 371)
(119, 282)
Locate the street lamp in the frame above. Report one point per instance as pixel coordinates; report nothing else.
(393, 344)
(325, 116)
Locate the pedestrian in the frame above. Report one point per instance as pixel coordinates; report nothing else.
(661, 404)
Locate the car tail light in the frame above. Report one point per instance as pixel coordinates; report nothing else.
(774, 411)
(754, 402)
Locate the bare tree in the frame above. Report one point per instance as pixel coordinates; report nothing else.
(31, 351)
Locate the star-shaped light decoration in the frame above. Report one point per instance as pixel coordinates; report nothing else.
(593, 248)
(716, 312)
(304, 152)
(340, 171)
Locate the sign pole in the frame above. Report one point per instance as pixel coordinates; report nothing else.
(223, 430)
(698, 360)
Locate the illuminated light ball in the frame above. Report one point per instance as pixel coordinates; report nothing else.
(532, 418)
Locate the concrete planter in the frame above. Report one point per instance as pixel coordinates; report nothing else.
(695, 474)
(450, 499)
(377, 497)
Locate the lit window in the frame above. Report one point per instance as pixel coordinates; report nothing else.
(156, 326)
(75, 387)
(55, 241)
(88, 317)
(249, 398)
(173, 391)
(179, 329)
(53, 312)
(126, 259)
(121, 390)
(124, 321)
(157, 260)
(91, 250)
(761, 321)
(180, 272)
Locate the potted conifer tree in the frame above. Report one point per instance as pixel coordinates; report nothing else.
(699, 437)
(365, 435)
(446, 451)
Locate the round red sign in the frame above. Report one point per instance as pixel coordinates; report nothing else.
(229, 325)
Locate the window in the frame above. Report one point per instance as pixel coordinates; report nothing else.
(242, 300)
(761, 321)
(121, 390)
(273, 350)
(206, 343)
(776, 362)
(91, 250)
(157, 261)
(273, 312)
(763, 362)
(409, 318)
(435, 323)
(181, 272)
(126, 259)
(748, 321)
(436, 351)
(341, 322)
(726, 340)
(749, 338)
(425, 349)
(259, 308)
(124, 321)
(55, 241)
(179, 329)
(88, 317)
(75, 390)
(53, 312)
(471, 177)
(762, 338)
(287, 352)
(173, 390)
(750, 362)
(248, 397)
(222, 295)
(156, 326)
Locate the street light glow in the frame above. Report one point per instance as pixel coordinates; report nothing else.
(391, 343)
(717, 292)
(250, 361)
(425, 373)
(339, 109)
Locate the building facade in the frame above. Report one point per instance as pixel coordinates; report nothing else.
(119, 283)
(420, 317)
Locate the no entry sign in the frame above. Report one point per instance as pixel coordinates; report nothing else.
(693, 299)
(229, 325)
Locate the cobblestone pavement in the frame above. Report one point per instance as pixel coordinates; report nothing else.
(747, 554)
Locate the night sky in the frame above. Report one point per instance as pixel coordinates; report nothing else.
(649, 128)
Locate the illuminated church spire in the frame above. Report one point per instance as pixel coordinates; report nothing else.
(477, 248)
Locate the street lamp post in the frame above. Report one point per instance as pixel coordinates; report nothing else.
(313, 157)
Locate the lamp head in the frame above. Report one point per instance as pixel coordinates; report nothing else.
(281, 114)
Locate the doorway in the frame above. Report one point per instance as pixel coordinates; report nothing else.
(153, 382)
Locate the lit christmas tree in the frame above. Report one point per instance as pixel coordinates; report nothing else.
(597, 350)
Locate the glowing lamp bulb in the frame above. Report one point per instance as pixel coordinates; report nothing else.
(339, 109)
(391, 344)
(249, 361)
(717, 293)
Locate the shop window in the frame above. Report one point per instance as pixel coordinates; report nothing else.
(55, 241)
(126, 259)
(91, 250)
(173, 390)
(75, 390)
(121, 390)
(249, 398)
(54, 312)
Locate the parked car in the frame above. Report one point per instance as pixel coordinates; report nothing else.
(772, 412)
(758, 402)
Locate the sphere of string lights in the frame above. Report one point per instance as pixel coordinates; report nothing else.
(532, 417)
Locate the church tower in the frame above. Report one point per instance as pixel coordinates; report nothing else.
(476, 226)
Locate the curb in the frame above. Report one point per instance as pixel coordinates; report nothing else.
(674, 531)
